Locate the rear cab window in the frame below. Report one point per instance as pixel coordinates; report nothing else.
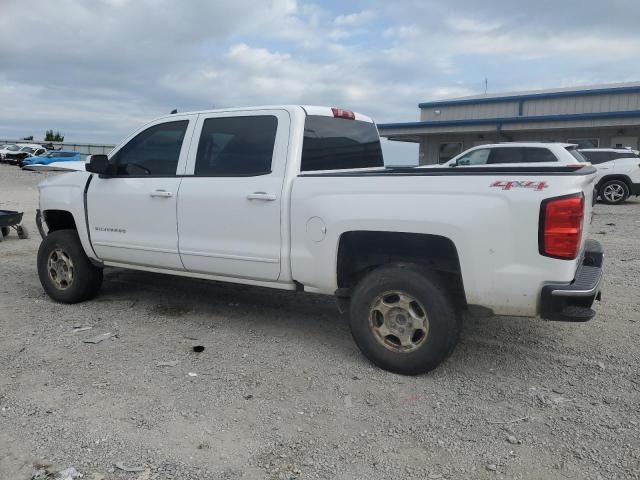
(339, 144)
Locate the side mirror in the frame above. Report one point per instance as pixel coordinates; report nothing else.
(97, 164)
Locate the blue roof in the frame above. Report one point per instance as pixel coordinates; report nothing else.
(521, 119)
(539, 95)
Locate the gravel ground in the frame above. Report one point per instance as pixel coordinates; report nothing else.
(282, 392)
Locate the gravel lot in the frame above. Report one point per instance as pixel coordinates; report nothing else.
(281, 390)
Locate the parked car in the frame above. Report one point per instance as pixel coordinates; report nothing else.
(297, 198)
(78, 166)
(5, 149)
(522, 153)
(51, 157)
(618, 173)
(26, 150)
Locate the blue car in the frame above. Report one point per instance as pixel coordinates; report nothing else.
(51, 157)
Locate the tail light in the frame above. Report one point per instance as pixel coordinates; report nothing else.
(341, 113)
(561, 226)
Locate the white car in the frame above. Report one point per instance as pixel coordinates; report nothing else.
(297, 198)
(25, 150)
(521, 153)
(11, 148)
(618, 173)
(57, 167)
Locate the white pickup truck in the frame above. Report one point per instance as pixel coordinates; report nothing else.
(297, 198)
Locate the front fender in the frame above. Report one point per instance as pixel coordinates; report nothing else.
(67, 192)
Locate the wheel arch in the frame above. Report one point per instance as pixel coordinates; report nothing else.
(59, 220)
(361, 251)
(614, 176)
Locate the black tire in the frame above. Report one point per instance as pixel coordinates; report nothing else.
(608, 189)
(414, 282)
(5, 231)
(23, 233)
(86, 278)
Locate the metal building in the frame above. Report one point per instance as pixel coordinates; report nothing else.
(592, 116)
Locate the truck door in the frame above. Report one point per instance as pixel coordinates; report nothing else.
(230, 201)
(132, 214)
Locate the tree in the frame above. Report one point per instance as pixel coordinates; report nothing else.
(49, 136)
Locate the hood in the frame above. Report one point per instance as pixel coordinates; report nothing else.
(69, 179)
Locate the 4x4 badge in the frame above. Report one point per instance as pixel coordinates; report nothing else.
(509, 184)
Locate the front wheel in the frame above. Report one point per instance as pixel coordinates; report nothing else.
(614, 192)
(65, 272)
(402, 319)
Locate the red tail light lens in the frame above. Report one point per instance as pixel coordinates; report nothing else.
(341, 113)
(561, 226)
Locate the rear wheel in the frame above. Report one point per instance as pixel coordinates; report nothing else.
(403, 320)
(65, 272)
(613, 192)
(5, 231)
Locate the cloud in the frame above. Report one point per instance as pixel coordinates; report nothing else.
(97, 69)
(355, 19)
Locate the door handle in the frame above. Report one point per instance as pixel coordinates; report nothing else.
(267, 197)
(161, 194)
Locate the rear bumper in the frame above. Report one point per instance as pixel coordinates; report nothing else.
(571, 302)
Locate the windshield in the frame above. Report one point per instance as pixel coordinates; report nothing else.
(12, 148)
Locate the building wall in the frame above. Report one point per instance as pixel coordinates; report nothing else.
(611, 102)
(470, 111)
(585, 104)
(430, 144)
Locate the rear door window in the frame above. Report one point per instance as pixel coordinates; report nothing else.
(236, 146)
(506, 155)
(339, 143)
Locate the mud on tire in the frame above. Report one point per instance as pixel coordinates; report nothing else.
(403, 320)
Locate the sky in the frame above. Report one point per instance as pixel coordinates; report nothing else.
(98, 69)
